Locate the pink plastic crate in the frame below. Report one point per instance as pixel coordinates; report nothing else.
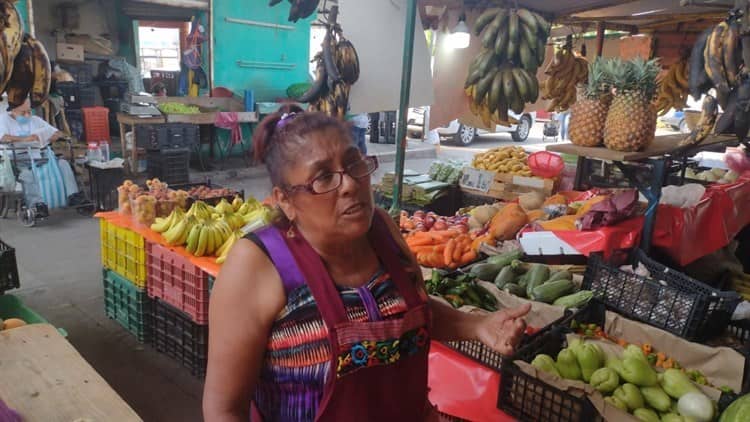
(173, 279)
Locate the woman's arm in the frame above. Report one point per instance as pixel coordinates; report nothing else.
(247, 297)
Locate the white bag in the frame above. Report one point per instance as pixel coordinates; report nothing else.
(7, 178)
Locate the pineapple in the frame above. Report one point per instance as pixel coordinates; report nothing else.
(589, 113)
(631, 120)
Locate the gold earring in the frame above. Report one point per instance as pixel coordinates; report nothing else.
(290, 233)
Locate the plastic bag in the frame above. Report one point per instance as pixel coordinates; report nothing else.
(7, 178)
(50, 179)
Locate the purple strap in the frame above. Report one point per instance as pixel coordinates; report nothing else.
(282, 258)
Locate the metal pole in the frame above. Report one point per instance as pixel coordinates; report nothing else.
(403, 111)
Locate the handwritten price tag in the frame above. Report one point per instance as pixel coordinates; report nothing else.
(477, 179)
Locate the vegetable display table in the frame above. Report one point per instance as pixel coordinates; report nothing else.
(46, 379)
(658, 155)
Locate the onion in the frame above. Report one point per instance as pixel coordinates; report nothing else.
(697, 406)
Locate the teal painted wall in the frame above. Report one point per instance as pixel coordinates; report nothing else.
(234, 42)
(23, 9)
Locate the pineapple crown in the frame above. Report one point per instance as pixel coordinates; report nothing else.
(634, 75)
(598, 83)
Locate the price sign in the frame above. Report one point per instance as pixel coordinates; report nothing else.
(477, 179)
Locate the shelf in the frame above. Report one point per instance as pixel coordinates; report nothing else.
(661, 145)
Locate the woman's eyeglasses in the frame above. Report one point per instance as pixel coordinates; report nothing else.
(331, 181)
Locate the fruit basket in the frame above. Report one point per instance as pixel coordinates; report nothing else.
(666, 299)
(546, 164)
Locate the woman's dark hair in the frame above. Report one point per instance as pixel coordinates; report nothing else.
(278, 133)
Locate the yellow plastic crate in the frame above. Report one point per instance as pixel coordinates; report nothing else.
(124, 252)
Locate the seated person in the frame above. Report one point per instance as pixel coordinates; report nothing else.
(20, 127)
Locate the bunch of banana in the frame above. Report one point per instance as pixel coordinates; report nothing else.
(741, 284)
(565, 72)
(300, 9)
(224, 249)
(517, 36)
(511, 160)
(500, 89)
(162, 224)
(31, 75)
(709, 110)
(722, 58)
(201, 210)
(673, 88)
(11, 33)
(206, 237)
(178, 234)
(337, 69)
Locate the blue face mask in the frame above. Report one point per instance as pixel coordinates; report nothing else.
(23, 120)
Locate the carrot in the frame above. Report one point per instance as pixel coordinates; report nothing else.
(468, 256)
(419, 241)
(646, 348)
(668, 364)
(661, 356)
(439, 248)
(622, 343)
(458, 251)
(417, 250)
(450, 247)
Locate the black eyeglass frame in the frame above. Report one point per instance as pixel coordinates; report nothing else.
(308, 187)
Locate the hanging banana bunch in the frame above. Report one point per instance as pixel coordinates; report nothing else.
(11, 34)
(673, 88)
(502, 76)
(337, 69)
(565, 72)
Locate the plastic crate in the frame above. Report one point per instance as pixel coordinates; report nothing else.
(113, 89)
(170, 166)
(528, 398)
(96, 124)
(82, 73)
(174, 334)
(127, 304)
(103, 184)
(87, 96)
(668, 299)
(69, 93)
(210, 201)
(8, 268)
(173, 279)
(167, 136)
(13, 307)
(75, 123)
(123, 251)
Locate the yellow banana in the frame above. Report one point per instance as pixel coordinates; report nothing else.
(163, 224)
(173, 235)
(200, 249)
(192, 240)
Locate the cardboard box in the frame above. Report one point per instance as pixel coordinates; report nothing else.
(69, 52)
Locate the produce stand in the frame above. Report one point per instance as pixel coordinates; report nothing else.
(657, 154)
(46, 379)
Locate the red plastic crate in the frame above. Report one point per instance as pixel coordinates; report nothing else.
(173, 279)
(96, 124)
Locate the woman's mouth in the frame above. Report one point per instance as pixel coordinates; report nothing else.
(355, 209)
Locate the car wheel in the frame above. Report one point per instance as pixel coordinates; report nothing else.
(522, 129)
(465, 136)
(684, 127)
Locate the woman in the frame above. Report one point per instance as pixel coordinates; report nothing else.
(325, 316)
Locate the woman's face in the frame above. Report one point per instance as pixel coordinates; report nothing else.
(345, 212)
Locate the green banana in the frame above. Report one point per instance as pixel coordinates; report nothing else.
(496, 91)
(483, 86)
(501, 42)
(528, 19)
(527, 59)
(488, 39)
(532, 84)
(484, 19)
(520, 82)
(488, 62)
(713, 56)
(513, 36)
(192, 239)
(541, 49)
(509, 88)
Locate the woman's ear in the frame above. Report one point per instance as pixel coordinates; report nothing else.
(282, 200)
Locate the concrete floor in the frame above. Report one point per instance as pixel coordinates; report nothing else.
(61, 278)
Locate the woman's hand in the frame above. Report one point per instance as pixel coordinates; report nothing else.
(503, 330)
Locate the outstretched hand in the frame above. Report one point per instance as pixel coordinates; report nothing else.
(503, 330)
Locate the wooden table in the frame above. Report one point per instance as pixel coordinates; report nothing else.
(45, 379)
(125, 119)
(660, 146)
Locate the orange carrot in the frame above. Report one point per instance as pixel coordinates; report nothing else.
(468, 256)
(417, 250)
(458, 251)
(419, 241)
(450, 247)
(622, 342)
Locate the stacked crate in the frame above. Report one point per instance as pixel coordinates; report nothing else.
(179, 291)
(124, 278)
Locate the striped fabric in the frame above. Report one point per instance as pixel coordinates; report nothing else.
(298, 354)
(50, 179)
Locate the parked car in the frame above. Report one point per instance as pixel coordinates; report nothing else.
(463, 135)
(676, 120)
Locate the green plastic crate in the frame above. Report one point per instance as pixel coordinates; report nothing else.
(127, 304)
(12, 307)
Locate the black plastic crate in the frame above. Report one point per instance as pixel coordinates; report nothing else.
(606, 174)
(170, 166)
(70, 95)
(103, 186)
(531, 399)
(113, 89)
(210, 201)
(87, 96)
(167, 136)
(8, 268)
(82, 73)
(75, 122)
(667, 299)
(447, 204)
(177, 336)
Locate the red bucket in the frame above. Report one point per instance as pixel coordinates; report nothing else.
(546, 164)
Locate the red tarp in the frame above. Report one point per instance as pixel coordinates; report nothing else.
(463, 388)
(686, 234)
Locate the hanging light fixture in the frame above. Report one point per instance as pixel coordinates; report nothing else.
(460, 37)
